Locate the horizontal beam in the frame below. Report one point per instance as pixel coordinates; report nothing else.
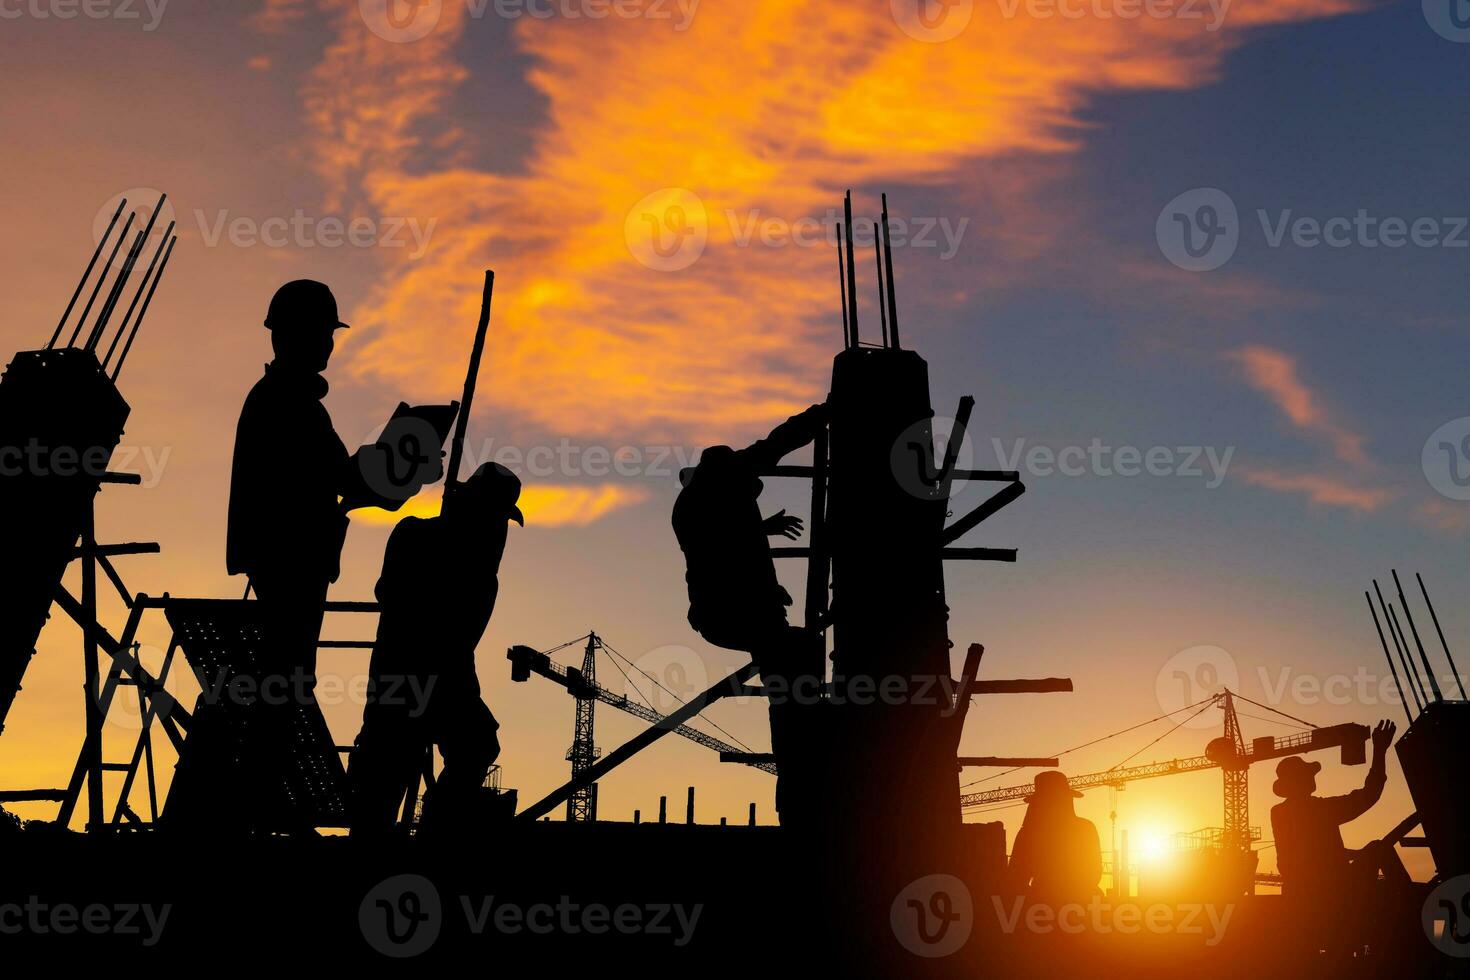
(344, 644)
(948, 554)
(1005, 761)
(163, 602)
(749, 758)
(1040, 685)
(992, 476)
(113, 550)
(978, 554)
(129, 479)
(32, 795)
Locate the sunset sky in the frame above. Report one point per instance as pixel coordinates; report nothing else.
(1035, 159)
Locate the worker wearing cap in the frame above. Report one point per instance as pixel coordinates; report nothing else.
(1057, 858)
(437, 592)
(1310, 852)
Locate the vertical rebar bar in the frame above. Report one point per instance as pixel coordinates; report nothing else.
(1409, 672)
(878, 261)
(1409, 615)
(95, 337)
(888, 263)
(96, 253)
(852, 300)
(101, 278)
(1398, 631)
(1389, 657)
(1434, 616)
(147, 301)
(842, 289)
(95, 334)
(133, 306)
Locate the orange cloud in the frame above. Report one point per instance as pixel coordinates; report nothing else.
(1274, 374)
(760, 109)
(544, 505)
(1322, 489)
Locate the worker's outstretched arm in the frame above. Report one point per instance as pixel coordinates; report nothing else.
(786, 438)
(1358, 802)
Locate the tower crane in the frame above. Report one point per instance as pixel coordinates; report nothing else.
(582, 685)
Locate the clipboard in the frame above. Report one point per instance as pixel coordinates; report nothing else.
(407, 456)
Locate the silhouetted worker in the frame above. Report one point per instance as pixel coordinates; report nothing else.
(1313, 862)
(437, 593)
(1056, 859)
(287, 519)
(735, 599)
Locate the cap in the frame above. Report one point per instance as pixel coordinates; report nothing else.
(1291, 772)
(495, 486)
(303, 302)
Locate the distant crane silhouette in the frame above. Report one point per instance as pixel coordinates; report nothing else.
(582, 685)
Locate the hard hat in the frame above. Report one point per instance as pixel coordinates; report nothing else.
(494, 486)
(303, 302)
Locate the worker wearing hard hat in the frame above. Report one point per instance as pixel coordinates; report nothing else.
(293, 482)
(286, 521)
(437, 592)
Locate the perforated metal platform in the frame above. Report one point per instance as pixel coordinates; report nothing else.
(274, 765)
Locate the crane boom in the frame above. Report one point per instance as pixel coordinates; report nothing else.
(1220, 755)
(1110, 777)
(526, 661)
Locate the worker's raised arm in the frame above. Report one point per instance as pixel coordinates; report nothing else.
(1360, 801)
(786, 438)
